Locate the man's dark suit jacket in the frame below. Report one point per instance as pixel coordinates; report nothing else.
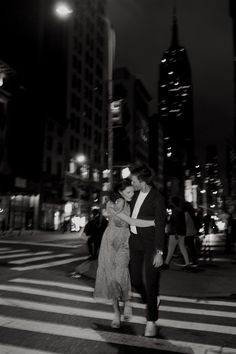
(153, 208)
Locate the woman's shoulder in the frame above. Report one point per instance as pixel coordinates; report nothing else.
(116, 206)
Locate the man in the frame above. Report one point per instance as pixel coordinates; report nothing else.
(94, 229)
(147, 244)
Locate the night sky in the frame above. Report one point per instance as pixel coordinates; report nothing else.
(143, 32)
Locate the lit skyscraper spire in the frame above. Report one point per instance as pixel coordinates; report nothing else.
(175, 31)
(176, 111)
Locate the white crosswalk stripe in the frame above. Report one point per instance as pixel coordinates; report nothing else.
(25, 259)
(81, 298)
(70, 299)
(11, 349)
(48, 244)
(34, 259)
(13, 251)
(18, 255)
(51, 264)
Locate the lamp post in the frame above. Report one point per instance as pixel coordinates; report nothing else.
(110, 59)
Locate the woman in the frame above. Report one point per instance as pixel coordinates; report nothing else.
(113, 279)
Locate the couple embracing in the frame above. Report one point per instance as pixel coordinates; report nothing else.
(132, 247)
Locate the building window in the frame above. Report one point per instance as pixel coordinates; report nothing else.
(59, 148)
(50, 126)
(72, 143)
(60, 132)
(49, 143)
(48, 165)
(59, 169)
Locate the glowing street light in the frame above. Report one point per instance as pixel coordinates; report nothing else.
(81, 158)
(63, 10)
(125, 172)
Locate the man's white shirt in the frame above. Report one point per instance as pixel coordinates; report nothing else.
(137, 206)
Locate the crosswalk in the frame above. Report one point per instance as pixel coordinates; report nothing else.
(63, 310)
(25, 259)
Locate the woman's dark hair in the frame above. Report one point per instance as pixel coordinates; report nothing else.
(143, 172)
(119, 187)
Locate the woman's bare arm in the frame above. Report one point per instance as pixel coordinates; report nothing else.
(135, 222)
(116, 209)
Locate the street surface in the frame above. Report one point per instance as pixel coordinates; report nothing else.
(44, 311)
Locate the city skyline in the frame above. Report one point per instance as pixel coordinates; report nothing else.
(205, 30)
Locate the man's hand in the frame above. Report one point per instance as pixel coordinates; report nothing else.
(157, 260)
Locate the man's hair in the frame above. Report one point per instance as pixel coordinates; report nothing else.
(143, 172)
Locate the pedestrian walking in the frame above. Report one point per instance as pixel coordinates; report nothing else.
(176, 232)
(232, 232)
(207, 223)
(146, 244)
(113, 278)
(94, 230)
(191, 223)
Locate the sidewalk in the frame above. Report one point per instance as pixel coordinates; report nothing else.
(211, 279)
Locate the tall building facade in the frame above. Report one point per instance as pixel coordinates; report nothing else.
(213, 187)
(63, 66)
(131, 121)
(232, 152)
(156, 149)
(176, 114)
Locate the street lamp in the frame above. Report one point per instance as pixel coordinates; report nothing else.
(63, 10)
(81, 158)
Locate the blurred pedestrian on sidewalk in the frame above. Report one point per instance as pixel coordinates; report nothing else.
(191, 232)
(94, 230)
(176, 229)
(207, 223)
(232, 232)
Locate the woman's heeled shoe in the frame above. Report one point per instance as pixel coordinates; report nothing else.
(127, 312)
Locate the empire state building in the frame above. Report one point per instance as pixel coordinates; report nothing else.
(176, 113)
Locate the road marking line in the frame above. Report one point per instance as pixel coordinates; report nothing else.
(34, 259)
(213, 259)
(111, 337)
(11, 349)
(14, 251)
(91, 289)
(23, 255)
(73, 311)
(50, 264)
(43, 244)
(5, 248)
(90, 299)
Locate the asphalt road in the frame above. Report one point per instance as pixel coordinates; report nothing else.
(44, 311)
